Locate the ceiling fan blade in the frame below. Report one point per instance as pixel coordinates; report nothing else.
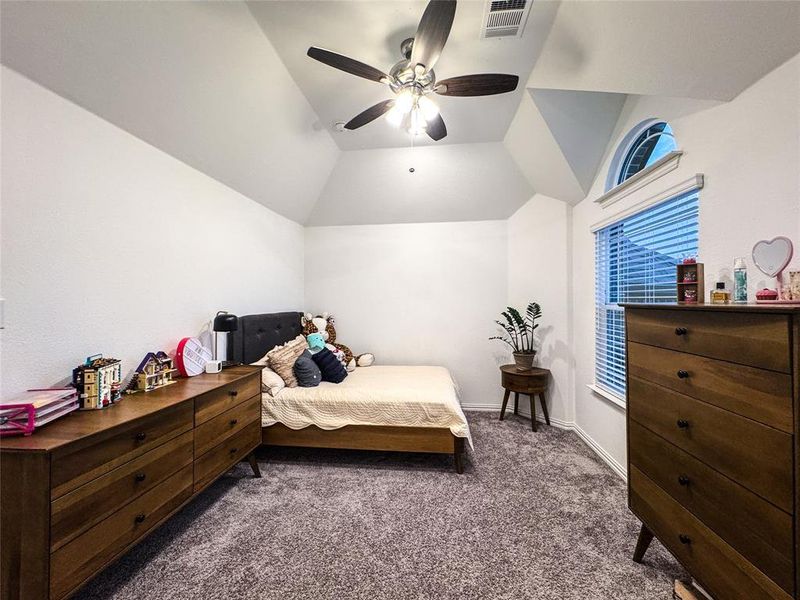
(369, 115)
(486, 84)
(436, 129)
(349, 65)
(432, 32)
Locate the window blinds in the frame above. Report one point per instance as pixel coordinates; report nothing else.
(635, 261)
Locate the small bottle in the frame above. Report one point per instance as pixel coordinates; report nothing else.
(740, 281)
(719, 295)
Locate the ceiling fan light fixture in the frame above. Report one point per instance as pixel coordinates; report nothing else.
(418, 124)
(428, 108)
(395, 116)
(404, 101)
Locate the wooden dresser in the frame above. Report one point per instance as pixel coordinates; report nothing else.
(79, 492)
(713, 458)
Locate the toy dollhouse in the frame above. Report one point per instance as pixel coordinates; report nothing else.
(156, 370)
(98, 382)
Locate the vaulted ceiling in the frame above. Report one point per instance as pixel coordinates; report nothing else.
(226, 87)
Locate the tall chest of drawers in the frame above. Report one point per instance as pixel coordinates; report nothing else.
(713, 455)
(79, 492)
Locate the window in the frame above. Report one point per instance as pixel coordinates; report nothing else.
(635, 261)
(644, 145)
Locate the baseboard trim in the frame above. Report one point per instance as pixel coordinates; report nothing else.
(566, 425)
(600, 451)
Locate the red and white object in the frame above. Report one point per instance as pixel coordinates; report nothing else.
(192, 357)
(22, 414)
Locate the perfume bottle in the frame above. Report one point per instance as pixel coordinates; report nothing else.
(740, 281)
(719, 295)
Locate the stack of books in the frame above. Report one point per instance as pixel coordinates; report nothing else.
(22, 414)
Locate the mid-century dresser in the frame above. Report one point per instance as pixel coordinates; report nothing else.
(713, 463)
(81, 491)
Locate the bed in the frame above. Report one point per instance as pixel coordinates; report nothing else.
(390, 408)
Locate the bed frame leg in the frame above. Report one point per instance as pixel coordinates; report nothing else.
(458, 454)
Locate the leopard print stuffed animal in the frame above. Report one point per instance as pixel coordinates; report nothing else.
(323, 324)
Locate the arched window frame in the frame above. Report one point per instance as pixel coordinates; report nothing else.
(623, 150)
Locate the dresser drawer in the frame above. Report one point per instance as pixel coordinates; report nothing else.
(765, 396)
(213, 403)
(222, 457)
(725, 573)
(759, 340)
(116, 446)
(755, 528)
(74, 562)
(223, 426)
(754, 455)
(524, 384)
(75, 512)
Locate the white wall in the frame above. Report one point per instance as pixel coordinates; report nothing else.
(110, 245)
(539, 270)
(748, 151)
(416, 294)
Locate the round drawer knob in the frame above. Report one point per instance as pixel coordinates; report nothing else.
(683, 374)
(683, 423)
(141, 436)
(233, 393)
(140, 477)
(684, 539)
(234, 422)
(139, 518)
(683, 480)
(681, 331)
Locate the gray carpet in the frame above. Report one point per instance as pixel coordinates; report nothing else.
(533, 516)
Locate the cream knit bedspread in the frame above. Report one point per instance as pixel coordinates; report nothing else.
(376, 395)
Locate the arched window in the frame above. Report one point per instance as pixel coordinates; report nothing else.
(644, 145)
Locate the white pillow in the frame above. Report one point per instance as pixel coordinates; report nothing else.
(271, 382)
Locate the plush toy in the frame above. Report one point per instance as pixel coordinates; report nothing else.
(322, 325)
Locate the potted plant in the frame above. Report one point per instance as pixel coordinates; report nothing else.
(519, 334)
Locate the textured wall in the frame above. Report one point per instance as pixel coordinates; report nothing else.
(110, 245)
(422, 294)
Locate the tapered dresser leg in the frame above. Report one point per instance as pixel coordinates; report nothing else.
(642, 544)
(251, 458)
(533, 412)
(516, 403)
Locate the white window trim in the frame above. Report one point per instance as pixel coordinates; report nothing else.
(695, 182)
(613, 398)
(667, 163)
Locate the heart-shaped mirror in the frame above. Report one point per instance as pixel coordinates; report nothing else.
(772, 256)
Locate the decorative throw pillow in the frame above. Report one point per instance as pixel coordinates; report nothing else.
(332, 370)
(306, 371)
(282, 358)
(271, 382)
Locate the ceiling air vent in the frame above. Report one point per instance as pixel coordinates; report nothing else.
(505, 18)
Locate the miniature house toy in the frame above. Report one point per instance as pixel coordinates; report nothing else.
(156, 370)
(98, 382)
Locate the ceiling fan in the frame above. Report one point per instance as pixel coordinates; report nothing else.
(412, 79)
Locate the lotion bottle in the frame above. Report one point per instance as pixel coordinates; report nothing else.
(739, 281)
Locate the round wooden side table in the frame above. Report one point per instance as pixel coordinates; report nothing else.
(532, 383)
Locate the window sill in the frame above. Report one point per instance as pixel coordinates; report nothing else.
(606, 395)
(665, 164)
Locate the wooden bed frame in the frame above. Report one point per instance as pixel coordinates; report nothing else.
(256, 334)
(436, 440)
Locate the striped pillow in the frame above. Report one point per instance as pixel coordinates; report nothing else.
(282, 358)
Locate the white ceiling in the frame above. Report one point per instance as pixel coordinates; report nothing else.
(227, 88)
(453, 182)
(198, 80)
(371, 31)
(710, 49)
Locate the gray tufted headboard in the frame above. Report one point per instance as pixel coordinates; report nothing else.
(257, 334)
